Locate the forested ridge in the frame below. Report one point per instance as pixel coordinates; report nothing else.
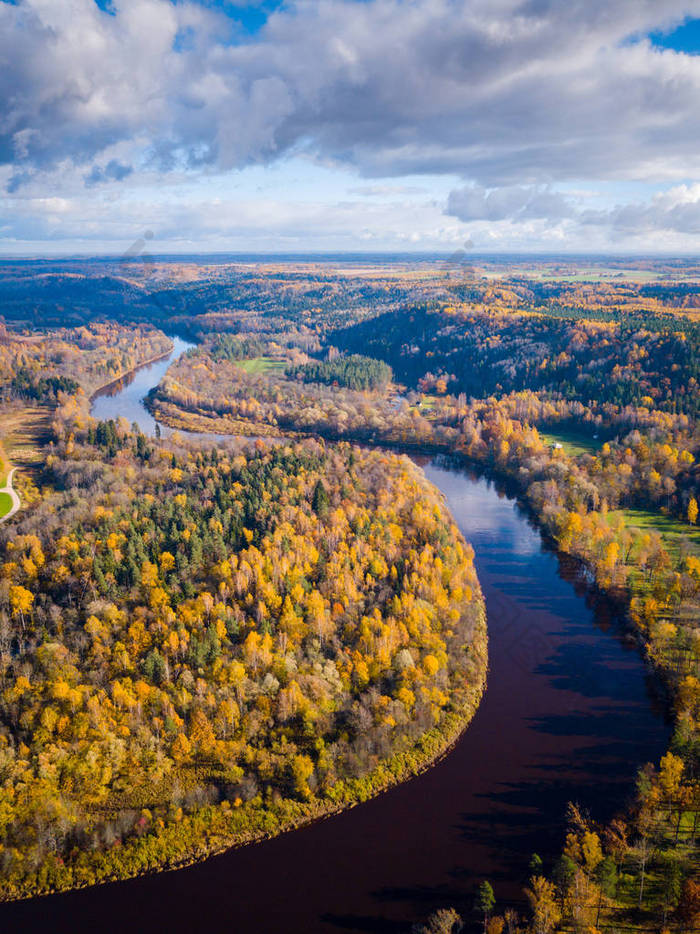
(651, 360)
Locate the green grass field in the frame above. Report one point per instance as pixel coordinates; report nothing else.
(673, 531)
(258, 365)
(624, 917)
(5, 504)
(427, 404)
(574, 442)
(598, 274)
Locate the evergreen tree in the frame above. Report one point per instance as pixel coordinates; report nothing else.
(319, 501)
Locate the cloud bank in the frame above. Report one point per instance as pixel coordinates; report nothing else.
(511, 96)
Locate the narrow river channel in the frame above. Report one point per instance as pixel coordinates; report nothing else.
(569, 714)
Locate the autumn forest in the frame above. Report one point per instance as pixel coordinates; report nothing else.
(237, 604)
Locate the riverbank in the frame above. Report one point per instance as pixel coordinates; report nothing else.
(567, 716)
(662, 813)
(174, 841)
(127, 374)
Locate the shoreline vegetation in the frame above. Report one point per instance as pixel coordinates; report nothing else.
(212, 831)
(30, 402)
(130, 373)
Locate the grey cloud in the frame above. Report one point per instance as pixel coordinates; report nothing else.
(677, 211)
(496, 91)
(514, 203)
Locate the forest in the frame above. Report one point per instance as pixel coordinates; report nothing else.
(508, 388)
(39, 366)
(204, 644)
(650, 360)
(350, 372)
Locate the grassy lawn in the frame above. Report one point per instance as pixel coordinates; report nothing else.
(624, 905)
(5, 504)
(673, 531)
(574, 442)
(427, 404)
(261, 365)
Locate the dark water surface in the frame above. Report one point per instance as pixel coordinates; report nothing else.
(568, 715)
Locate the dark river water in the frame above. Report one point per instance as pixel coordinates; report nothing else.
(568, 715)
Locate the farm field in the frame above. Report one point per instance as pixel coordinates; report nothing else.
(258, 365)
(573, 442)
(675, 533)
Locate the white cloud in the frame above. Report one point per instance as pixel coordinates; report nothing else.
(517, 97)
(676, 210)
(514, 203)
(217, 214)
(494, 91)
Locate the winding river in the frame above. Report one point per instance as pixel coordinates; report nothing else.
(569, 714)
(124, 398)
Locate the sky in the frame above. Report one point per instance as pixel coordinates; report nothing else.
(358, 125)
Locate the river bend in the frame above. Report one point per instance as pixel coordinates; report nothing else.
(569, 714)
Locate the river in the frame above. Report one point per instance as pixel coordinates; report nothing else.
(569, 714)
(124, 398)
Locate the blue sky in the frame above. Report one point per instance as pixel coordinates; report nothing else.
(684, 38)
(332, 124)
(251, 16)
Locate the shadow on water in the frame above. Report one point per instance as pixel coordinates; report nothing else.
(570, 714)
(375, 925)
